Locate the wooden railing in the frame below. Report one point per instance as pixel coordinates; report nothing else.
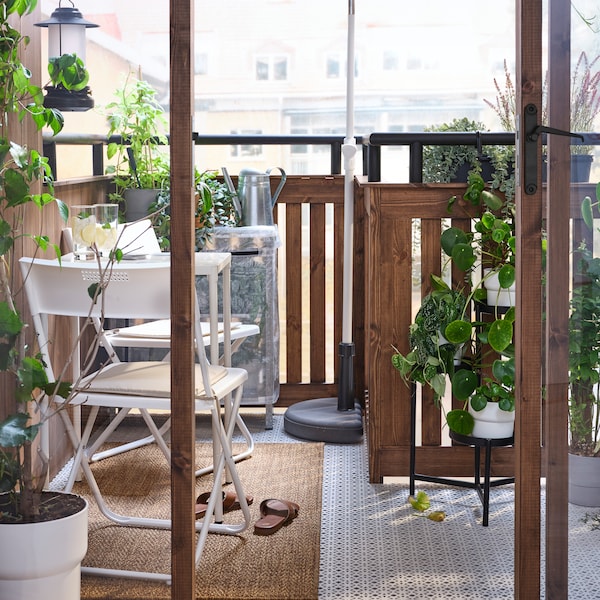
(311, 286)
(390, 253)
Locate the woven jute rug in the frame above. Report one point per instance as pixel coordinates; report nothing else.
(282, 566)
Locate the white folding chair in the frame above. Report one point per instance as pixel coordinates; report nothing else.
(157, 334)
(135, 290)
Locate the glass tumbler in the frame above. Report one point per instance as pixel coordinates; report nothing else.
(106, 227)
(82, 220)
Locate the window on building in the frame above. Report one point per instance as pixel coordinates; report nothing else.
(201, 63)
(333, 68)
(272, 68)
(390, 60)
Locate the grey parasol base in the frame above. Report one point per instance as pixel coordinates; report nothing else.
(319, 420)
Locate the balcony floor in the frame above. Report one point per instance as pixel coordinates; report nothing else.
(374, 546)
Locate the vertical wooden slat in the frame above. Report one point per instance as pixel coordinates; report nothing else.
(317, 293)
(182, 302)
(293, 292)
(557, 305)
(528, 355)
(431, 422)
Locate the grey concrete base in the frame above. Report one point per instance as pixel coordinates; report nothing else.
(320, 420)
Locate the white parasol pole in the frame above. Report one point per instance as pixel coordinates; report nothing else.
(338, 420)
(346, 347)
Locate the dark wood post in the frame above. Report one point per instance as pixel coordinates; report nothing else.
(182, 302)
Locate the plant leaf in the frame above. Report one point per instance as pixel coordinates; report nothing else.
(587, 213)
(420, 502)
(500, 334)
(506, 276)
(464, 383)
(463, 256)
(437, 515)
(460, 421)
(458, 332)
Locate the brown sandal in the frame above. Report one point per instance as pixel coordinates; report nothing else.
(230, 502)
(275, 513)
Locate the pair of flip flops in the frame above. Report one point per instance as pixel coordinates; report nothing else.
(274, 515)
(230, 502)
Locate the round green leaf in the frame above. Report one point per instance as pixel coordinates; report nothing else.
(504, 371)
(492, 201)
(458, 332)
(463, 256)
(452, 236)
(500, 334)
(506, 276)
(464, 383)
(487, 220)
(460, 421)
(478, 402)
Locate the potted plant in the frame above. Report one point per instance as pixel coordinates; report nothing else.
(584, 375)
(490, 246)
(584, 109)
(486, 373)
(31, 520)
(445, 164)
(141, 169)
(214, 207)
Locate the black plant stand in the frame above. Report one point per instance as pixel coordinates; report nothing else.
(478, 443)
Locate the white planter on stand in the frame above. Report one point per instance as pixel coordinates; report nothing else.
(492, 422)
(43, 560)
(497, 296)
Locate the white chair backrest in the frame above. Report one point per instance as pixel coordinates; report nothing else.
(138, 238)
(135, 290)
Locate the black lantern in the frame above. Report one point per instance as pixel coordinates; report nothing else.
(66, 37)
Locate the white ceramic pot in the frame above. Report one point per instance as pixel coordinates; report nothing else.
(492, 422)
(584, 480)
(43, 560)
(497, 296)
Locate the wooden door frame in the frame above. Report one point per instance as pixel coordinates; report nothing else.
(528, 351)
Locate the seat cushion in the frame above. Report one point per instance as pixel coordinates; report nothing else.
(149, 378)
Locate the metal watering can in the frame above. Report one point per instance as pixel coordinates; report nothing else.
(254, 193)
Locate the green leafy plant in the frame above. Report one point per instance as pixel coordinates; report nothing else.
(486, 372)
(21, 171)
(69, 72)
(585, 99)
(214, 207)
(584, 348)
(431, 354)
(441, 163)
(138, 118)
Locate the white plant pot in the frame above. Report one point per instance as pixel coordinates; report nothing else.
(497, 296)
(43, 560)
(492, 422)
(584, 480)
